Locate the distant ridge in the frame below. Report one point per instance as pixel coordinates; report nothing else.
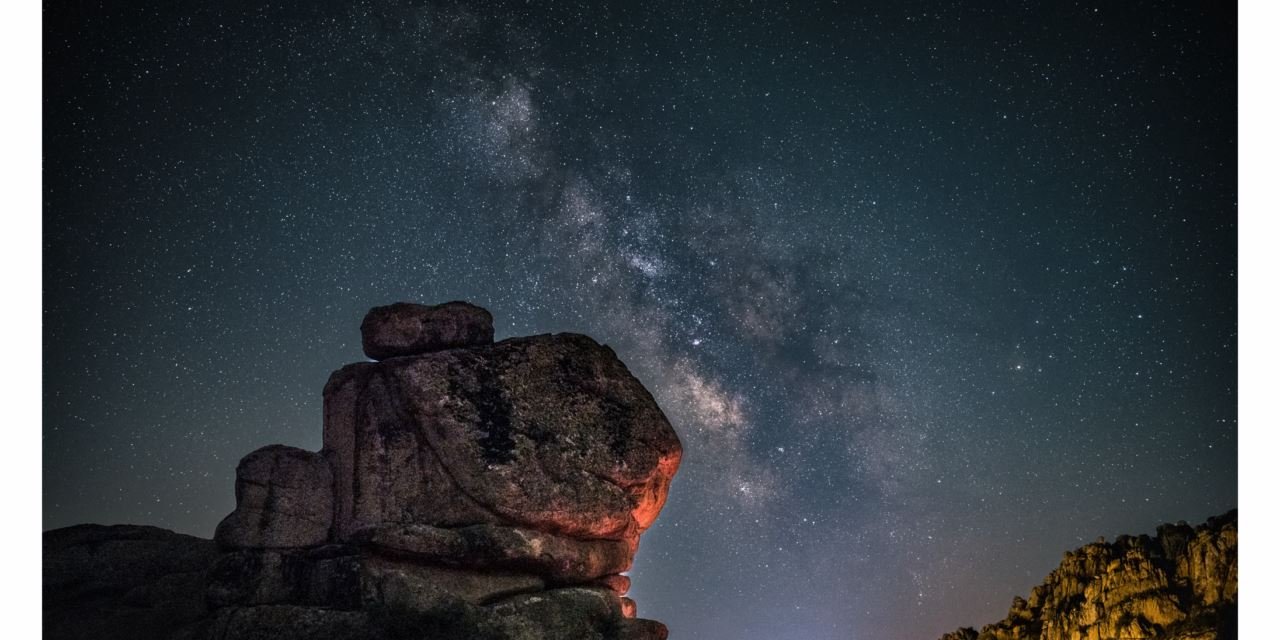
(1178, 585)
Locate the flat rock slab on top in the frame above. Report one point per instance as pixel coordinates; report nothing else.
(407, 329)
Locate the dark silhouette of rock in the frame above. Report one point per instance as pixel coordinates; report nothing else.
(407, 329)
(1179, 585)
(284, 498)
(465, 490)
(123, 581)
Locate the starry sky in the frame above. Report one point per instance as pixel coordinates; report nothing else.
(931, 291)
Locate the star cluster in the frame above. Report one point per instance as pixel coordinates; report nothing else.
(931, 291)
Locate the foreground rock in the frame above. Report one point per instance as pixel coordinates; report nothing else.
(123, 581)
(465, 490)
(1179, 585)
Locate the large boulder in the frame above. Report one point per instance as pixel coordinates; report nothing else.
(284, 498)
(548, 432)
(406, 329)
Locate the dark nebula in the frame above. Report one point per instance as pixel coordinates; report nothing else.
(932, 292)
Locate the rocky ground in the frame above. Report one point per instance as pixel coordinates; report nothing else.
(1178, 585)
(465, 489)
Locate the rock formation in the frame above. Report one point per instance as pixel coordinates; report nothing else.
(465, 489)
(1179, 585)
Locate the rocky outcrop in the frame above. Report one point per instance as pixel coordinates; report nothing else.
(465, 489)
(1178, 585)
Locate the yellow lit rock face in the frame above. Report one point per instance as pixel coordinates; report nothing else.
(1209, 565)
(1178, 585)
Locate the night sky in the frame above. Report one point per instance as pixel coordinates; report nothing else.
(932, 292)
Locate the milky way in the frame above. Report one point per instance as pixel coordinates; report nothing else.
(932, 292)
